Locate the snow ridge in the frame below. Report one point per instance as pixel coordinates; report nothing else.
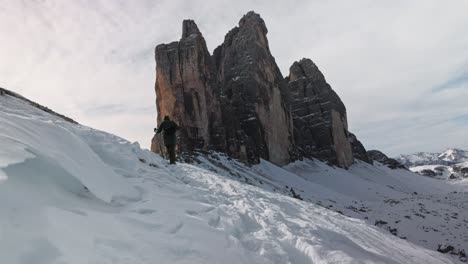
(46, 109)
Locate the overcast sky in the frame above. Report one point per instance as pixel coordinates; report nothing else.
(400, 67)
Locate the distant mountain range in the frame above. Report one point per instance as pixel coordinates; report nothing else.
(450, 164)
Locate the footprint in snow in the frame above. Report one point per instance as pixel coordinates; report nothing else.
(78, 212)
(195, 213)
(145, 211)
(176, 228)
(214, 222)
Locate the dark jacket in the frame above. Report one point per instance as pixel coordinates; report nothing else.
(169, 128)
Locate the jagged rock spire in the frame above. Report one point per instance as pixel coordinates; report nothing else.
(316, 85)
(189, 27)
(185, 91)
(252, 83)
(237, 101)
(252, 19)
(319, 115)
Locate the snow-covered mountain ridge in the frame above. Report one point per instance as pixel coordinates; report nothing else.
(450, 164)
(72, 194)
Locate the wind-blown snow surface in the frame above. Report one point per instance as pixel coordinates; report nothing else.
(137, 209)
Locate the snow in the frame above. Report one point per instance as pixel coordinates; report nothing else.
(443, 164)
(448, 157)
(418, 158)
(453, 155)
(56, 141)
(444, 172)
(419, 209)
(72, 194)
(424, 210)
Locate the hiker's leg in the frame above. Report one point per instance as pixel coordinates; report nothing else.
(173, 156)
(171, 152)
(168, 152)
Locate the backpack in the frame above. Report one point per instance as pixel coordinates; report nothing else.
(171, 129)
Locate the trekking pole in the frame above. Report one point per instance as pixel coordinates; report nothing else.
(158, 139)
(161, 147)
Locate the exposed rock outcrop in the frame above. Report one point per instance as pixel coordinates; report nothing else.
(427, 173)
(461, 169)
(376, 155)
(359, 152)
(251, 82)
(237, 101)
(319, 115)
(185, 90)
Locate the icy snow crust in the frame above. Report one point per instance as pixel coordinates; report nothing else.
(71, 194)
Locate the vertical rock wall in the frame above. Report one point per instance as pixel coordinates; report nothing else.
(251, 88)
(237, 101)
(319, 115)
(185, 90)
(341, 143)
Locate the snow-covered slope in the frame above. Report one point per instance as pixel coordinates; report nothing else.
(419, 209)
(71, 194)
(454, 155)
(450, 164)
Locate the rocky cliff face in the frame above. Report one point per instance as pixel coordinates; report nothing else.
(251, 82)
(237, 101)
(185, 90)
(359, 152)
(376, 155)
(319, 115)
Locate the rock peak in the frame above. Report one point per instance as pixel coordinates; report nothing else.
(189, 27)
(252, 14)
(307, 61)
(317, 108)
(236, 101)
(252, 19)
(306, 68)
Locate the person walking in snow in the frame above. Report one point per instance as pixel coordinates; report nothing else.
(169, 129)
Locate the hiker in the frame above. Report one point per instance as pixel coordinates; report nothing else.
(169, 128)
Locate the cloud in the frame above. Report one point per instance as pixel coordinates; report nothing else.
(457, 81)
(462, 120)
(94, 60)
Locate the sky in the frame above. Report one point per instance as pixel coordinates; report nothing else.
(400, 67)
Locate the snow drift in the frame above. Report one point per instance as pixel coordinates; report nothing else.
(72, 194)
